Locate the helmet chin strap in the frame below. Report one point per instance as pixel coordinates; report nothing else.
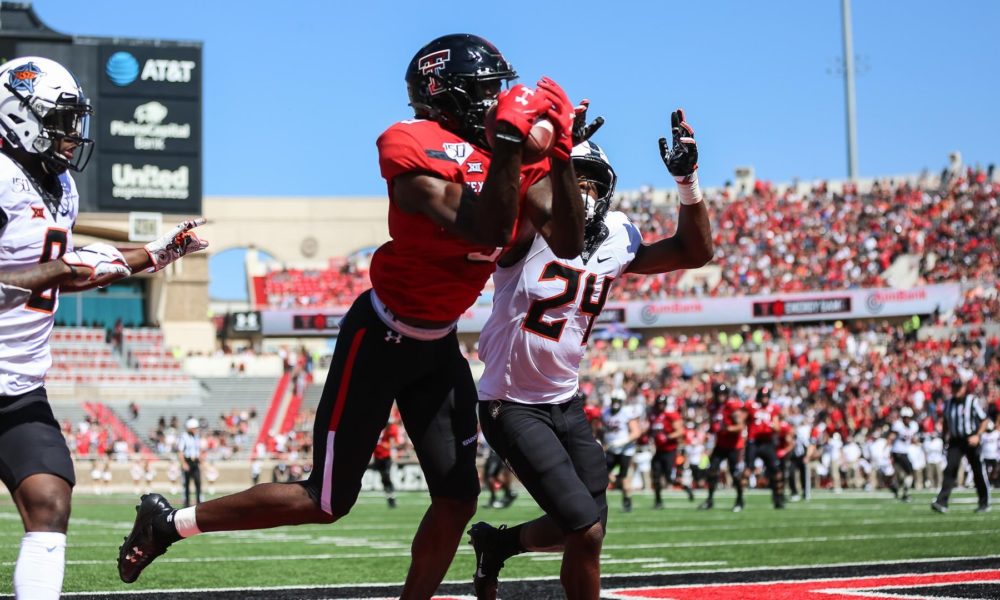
(594, 229)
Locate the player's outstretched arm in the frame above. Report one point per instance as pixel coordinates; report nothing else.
(554, 205)
(691, 246)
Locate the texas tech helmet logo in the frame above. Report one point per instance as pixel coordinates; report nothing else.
(432, 64)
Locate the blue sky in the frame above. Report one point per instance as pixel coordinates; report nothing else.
(296, 93)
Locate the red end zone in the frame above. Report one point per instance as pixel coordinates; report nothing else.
(813, 589)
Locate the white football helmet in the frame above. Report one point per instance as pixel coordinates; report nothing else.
(41, 105)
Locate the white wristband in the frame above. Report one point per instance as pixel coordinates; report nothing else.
(687, 188)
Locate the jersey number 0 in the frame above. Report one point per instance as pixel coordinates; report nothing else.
(53, 249)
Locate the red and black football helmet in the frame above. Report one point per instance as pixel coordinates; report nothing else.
(454, 80)
(764, 394)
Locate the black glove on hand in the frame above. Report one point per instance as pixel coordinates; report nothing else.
(682, 159)
(581, 130)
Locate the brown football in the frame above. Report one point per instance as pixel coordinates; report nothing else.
(537, 145)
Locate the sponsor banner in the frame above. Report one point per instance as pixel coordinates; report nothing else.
(809, 306)
(154, 71)
(244, 322)
(301, 323)
(170, 184)
(150, 125)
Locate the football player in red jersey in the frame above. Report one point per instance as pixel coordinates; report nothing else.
(764, 422)
(382, 459)
(666, 429)
(729, 427)
(454, 206)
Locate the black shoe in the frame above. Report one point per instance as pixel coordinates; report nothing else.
(483, 538)
(982, 508)
(144, 543)
(658, 505)
(391, 502)
(779, 504)
(738, 507)
(706, 505)
(938, 507)
(690, 493)
(627, 505)
(509, 499)
(906, 498)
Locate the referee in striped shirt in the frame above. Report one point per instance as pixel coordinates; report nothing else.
(965, 421)
(189, 452)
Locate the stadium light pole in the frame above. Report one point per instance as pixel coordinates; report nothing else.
(852, 129)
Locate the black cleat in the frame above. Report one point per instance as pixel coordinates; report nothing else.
(938, 507)
(627, 505)
(391, 501)
(690, 493)
(144, 543)
(483, 538)
(706, 505)
(658, 505)
(982, 508)
(509, 499)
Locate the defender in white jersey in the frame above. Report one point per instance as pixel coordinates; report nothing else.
(532, 344)
(900, 438)
(44, 119)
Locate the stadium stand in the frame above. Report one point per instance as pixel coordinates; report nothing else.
(772, 238)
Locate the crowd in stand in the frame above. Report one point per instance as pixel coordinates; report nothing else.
(776, 239)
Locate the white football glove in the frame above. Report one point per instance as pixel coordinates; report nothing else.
(103, 259)
(176, 243)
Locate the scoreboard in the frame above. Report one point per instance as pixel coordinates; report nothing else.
(147, 123)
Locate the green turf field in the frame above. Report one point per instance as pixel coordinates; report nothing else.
(372, 544)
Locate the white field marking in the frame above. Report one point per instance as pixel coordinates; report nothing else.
(263, 537)
(607, 559)
(120, 592)
(612, 594)
(665, 545)
(802, 540)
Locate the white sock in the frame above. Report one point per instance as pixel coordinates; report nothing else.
(38, 574)
(185, 522)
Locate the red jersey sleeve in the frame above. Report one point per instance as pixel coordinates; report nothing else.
(399, 152)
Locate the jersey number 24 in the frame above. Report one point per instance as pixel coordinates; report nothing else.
(533, 320)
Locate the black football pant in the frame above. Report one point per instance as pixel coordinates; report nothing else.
(664, 467)
(957, 449)
(769, 456)
(799, 475)
(431, 383)
(383, 466)
(193, 474)
(734, 462)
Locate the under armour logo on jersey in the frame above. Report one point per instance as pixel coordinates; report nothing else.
(394, 337)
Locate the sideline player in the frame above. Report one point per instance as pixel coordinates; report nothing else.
(44, 118)
(764, 422)
(901, 436)
(453, 207)
(543, 311)
(382, 456)
(729, 426)
(666, 429)
(621, 432)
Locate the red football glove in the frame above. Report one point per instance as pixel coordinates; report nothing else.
(520, 107)
(562, 113)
